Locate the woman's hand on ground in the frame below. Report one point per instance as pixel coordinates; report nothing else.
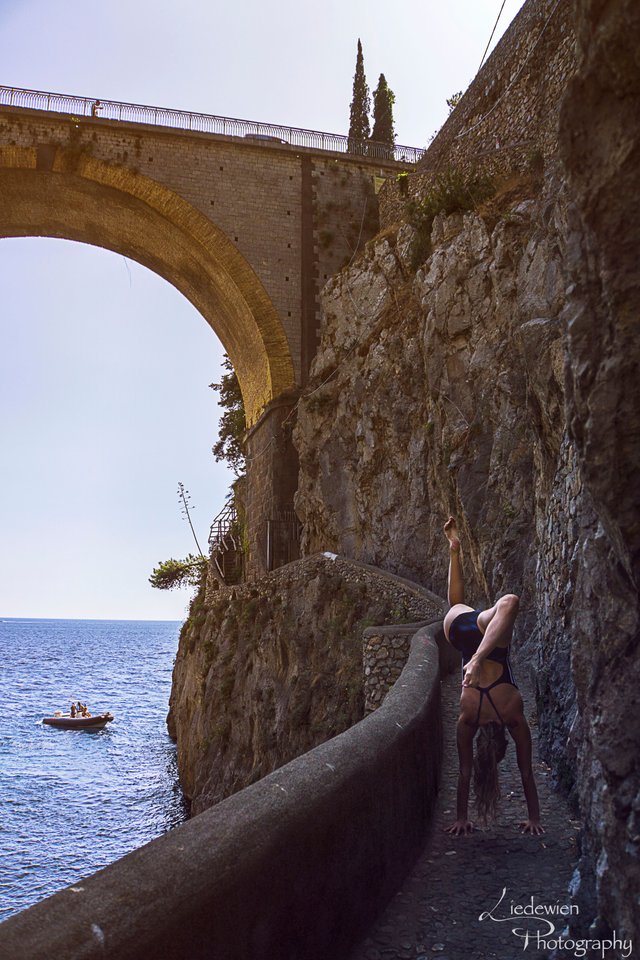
(460, 828)
(451, 533)
(534, 827)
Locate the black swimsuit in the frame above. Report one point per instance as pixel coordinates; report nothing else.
(465, 636)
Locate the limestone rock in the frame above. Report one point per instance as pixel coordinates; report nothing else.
(500, 383)
(267, 670)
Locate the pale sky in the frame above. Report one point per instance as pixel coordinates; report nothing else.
(104, 367)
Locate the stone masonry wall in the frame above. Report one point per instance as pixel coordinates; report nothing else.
(272, 479)
(384, 654)
(507, 119)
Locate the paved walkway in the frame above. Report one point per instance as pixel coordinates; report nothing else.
(436, 914)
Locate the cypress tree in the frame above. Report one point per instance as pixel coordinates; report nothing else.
(360, 105)
(383, 101)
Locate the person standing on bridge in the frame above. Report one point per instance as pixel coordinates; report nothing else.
(489, 702)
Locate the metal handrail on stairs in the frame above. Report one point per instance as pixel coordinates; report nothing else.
(223, 537)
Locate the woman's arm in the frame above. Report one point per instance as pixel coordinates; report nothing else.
(522, 737)
(465, 734)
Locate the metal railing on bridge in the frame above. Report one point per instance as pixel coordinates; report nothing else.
(203, 123)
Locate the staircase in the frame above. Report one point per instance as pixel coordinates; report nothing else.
(225, 545)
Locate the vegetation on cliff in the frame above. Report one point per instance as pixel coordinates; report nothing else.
(172, 574)
(233, 422)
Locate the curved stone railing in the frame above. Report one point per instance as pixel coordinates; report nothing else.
(295, 866)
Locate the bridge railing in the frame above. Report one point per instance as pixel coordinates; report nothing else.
(203, 123)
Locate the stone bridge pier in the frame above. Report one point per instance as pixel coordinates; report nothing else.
(247, 220)
(272, 480)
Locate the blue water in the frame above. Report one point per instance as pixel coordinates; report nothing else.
(74, 801)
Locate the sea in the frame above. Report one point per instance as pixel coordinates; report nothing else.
(74, 801)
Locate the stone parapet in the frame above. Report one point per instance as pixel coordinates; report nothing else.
(384, 654)
(385, 651)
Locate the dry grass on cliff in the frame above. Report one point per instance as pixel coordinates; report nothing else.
(508, 194)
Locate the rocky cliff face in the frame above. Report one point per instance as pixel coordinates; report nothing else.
(445, 395)
(267, 670)
(442, 390)
(600, 149)
(499, 382)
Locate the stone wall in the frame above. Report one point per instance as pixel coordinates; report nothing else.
(508, 117)
(385, 651)
(384, 654)
(272, 533)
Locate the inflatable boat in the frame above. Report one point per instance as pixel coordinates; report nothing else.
(67, 722)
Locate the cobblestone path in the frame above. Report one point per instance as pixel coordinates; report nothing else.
(436, 913)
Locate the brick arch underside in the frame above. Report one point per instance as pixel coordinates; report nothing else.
(80, 198)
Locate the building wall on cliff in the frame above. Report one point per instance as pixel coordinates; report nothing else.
(508, 117)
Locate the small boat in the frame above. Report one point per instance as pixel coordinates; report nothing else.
(67, 722)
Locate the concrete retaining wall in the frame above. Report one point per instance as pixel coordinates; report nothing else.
(294, 866)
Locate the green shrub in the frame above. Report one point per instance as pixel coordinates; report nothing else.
(450, 192)
(403, 184)
(172, 574)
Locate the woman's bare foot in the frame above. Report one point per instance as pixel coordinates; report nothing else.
(451, 533)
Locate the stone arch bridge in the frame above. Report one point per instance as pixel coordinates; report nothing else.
(247, 220)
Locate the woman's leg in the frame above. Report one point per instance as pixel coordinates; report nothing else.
(497, 623)
(455, 580)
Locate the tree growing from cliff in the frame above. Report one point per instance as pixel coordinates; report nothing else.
(190, 572)
(171, 574)
(233, 422)
(383, 101)
(359, 128)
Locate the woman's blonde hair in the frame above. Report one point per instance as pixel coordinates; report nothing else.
(491, 746)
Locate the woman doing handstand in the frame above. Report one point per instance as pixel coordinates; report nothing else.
(490, 699)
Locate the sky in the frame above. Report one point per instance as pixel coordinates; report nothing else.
(104, 400)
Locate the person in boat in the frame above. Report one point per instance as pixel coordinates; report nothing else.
(490, 701)
(72, 712)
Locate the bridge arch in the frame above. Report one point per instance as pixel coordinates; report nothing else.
(61, 192)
